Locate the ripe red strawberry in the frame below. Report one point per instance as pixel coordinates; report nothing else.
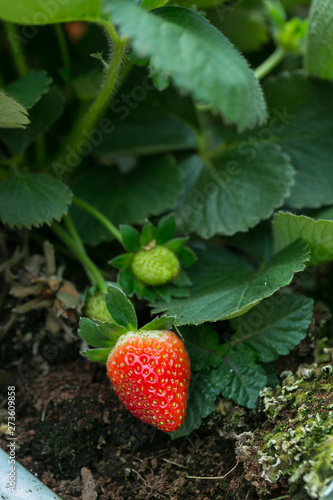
(150, 372)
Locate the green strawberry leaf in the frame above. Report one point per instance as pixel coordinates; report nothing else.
(245, 27)
(201, 342)
(184, 45)
(161, 323)
(12, 113)
(120, 308)
(319, 55)
(99, 355)
(90, 332)
(257, 241)
(39, 199)
(166, 229)
(240, 377)
(201, 402)
(122, 261)
(29, 89)
(226, 285)
(301, 109)
(224, 195)
(148, 233)
(318, 235)
(161, 121)
(35, 12)
(274, 327)
(131, 238)
(42, 116)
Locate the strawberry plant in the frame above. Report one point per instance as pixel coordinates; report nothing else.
(186, 166)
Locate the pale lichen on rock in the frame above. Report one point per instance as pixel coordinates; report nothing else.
(299, 443)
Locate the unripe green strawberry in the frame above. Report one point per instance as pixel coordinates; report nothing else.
(95, 307)
(150, 372)
(156, 266)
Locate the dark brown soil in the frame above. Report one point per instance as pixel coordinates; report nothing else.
(74, 433)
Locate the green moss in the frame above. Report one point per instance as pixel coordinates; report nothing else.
(300, 447)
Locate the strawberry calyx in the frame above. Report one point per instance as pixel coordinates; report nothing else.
(154, 263)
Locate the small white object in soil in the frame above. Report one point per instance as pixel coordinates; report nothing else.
(26, 487)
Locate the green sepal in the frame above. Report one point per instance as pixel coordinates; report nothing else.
(186, 257)
(162, 235)
(13, 114)
(161, 323)
(139, 288)
(148, 234)
(90, 332)
(166, 229)
(164, 292)
(182, 280)
(120, 308)
(142, 291)
(122, 261)
(176, 245)
(125, 280)
(100, 355)
(110, 330)
(131, 238)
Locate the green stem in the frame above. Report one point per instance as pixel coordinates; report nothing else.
(66, 62)
(78, 242)
(90, 268)
(83, 129)
(15, 45)
(100, 217)
(74, 233)
(271, 62)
